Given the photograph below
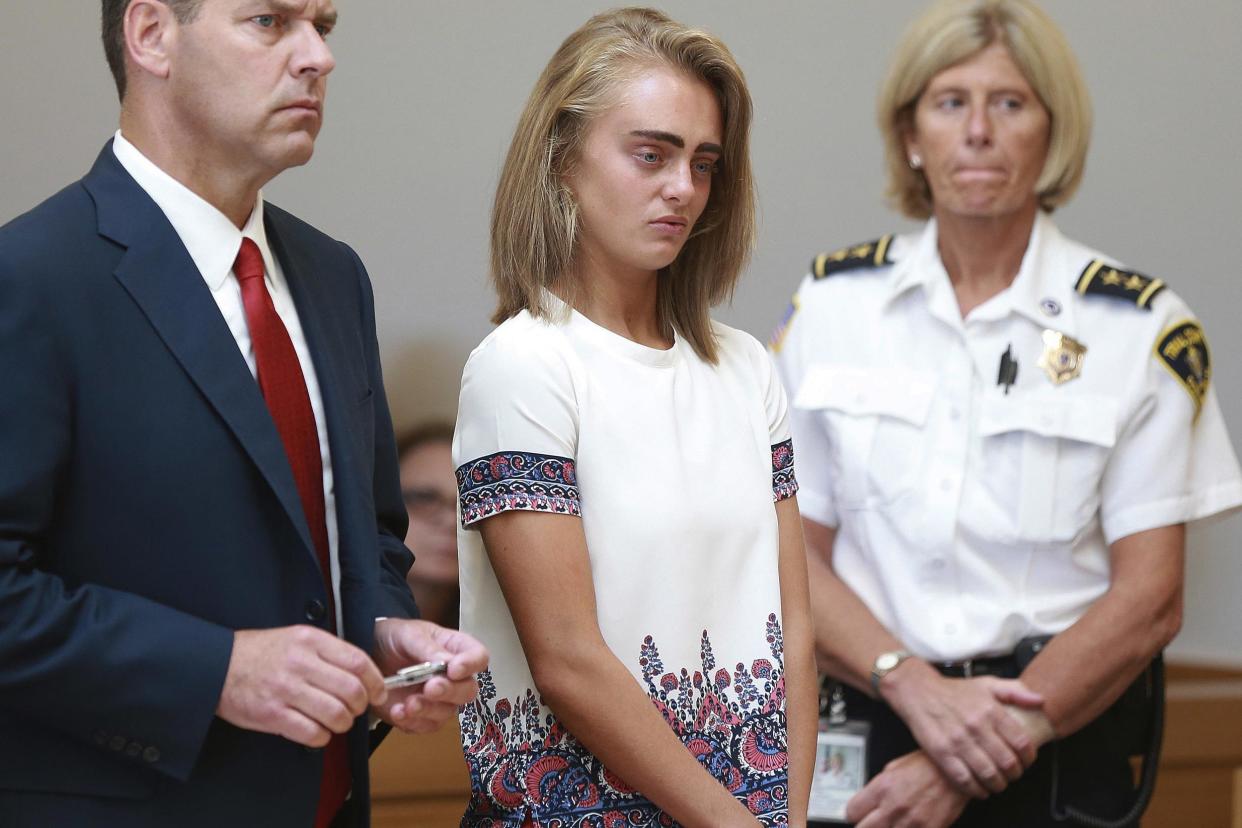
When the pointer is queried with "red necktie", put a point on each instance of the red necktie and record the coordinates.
(284, 390)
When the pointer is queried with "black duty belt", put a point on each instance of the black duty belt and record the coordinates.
(1004, 666)
(1000, 666)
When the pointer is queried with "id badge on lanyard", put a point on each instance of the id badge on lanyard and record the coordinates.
(840, 762)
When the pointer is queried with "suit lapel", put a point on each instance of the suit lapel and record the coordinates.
(326, 336)
(163, 281)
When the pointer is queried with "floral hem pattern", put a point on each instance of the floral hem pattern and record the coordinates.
(509, 480)
(523, 762)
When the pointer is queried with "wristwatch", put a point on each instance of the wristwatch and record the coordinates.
(886, 663)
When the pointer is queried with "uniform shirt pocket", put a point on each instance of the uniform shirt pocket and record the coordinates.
(874, 419)
(1049, 453)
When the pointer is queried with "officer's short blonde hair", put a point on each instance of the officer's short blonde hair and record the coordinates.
(951, 31)
(535, 219)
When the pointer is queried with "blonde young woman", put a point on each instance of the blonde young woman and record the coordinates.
(630, 544)
(1002, 433)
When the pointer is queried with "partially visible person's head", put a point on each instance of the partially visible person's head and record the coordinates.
(952, 32)
(234, 80)
(429, 487)
(835, 761)
(538, 221)
(113, 31)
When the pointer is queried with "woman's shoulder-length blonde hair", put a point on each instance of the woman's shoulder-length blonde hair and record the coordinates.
(952, 31)
(535, 218)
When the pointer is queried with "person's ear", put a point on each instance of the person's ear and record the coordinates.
(150, 35)
(913, 156)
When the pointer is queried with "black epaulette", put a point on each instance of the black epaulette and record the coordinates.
(868, 255)
(1101, 279)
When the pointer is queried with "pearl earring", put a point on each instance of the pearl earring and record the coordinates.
(916, 162)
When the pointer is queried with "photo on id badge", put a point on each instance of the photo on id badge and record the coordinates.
(840, 766)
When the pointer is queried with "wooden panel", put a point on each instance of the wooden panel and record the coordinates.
(1237, 798)
(428, 765)
(431, 812)
(419, 781)
(1189, 796)
(1199, 781)
(1200, 672)
(1203, 723)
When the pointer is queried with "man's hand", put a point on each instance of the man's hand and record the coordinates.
(298, 682)
(910, 793)
(423, 708)
(965, 725)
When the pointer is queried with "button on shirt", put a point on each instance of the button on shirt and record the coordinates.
(968, 518)
(212, 241)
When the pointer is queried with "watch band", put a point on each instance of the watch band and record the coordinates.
(884, 664)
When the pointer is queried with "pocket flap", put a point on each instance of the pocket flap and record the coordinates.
(1087, 418)
(861, 390)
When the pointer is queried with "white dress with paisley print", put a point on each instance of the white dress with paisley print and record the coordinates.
(673, 465)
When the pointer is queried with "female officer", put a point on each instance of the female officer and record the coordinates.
(1003, 433)
(631, 549)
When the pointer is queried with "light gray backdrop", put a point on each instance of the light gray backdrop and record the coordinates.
(426, 94)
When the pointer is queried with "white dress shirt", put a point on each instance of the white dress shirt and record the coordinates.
(967, 517)
(212, 241)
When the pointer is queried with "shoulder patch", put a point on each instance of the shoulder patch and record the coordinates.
(868, 255)
(1183, 350)
(1102, 279)
(778, 335)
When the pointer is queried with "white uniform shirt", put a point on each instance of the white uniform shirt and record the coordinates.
(968, 518)
(212, 241)
(673, 465)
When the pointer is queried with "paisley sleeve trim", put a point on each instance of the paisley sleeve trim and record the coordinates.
(517, 480)
(784, 483)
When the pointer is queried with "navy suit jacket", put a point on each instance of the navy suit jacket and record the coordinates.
(147, 510)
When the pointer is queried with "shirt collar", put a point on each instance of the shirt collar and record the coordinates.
(920, 267)
(1040, 292)
(209, 237)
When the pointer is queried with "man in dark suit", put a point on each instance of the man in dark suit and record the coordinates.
(202, 580)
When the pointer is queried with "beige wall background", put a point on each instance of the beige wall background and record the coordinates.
(426, 94)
